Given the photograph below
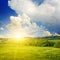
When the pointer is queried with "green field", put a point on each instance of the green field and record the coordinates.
(30, 49)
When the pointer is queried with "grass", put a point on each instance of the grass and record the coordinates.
(10, 49)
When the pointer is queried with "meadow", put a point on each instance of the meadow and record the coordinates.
(30, 48)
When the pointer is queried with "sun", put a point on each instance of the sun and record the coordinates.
(18, 36)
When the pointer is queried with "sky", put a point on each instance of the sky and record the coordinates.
(29, 18)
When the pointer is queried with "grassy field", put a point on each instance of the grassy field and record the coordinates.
(30, 49)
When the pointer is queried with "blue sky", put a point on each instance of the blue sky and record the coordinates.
(38, 2)
(43, 14)
(5, 11)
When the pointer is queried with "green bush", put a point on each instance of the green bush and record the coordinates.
(41, 43)
(47, 43)
(57, 44)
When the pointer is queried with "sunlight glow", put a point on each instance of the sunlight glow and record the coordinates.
(18, 36)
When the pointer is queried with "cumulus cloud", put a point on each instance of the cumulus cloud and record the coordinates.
(1, 28)
(22, 25)
(56, 34)
(48, 13)
(23, 6)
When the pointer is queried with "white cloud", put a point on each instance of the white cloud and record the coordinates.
(47, 13)
(56, 34)
(1, 28)
(22, 6)
(22, 25)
